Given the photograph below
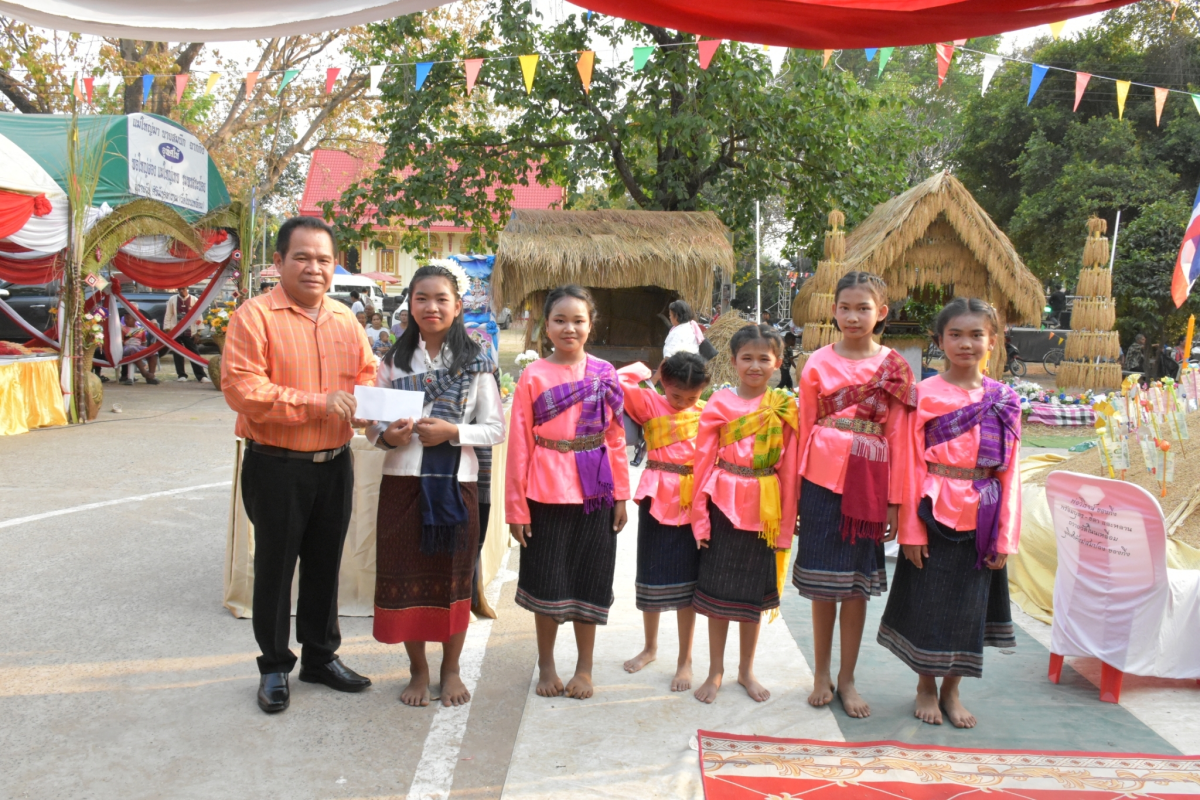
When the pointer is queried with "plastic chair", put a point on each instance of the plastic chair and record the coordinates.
(1114, 597)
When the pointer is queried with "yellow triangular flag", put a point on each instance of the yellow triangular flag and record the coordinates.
(528, 67)
(1056, 29)
(1122, 93)
(212, 81)
(825, 63)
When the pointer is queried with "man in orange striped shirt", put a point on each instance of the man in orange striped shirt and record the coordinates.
(292, 359)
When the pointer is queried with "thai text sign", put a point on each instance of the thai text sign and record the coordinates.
(167, 164)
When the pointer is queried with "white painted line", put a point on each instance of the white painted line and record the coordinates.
(435, 771)
(8, 523)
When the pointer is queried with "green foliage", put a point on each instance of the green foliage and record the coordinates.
(668, 137)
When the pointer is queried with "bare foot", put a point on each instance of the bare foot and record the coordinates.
(683, 678)
(549, 684)
(416, 694)
(580, 686)
(454, 691)
(708, 690)
(852, 701)
(956, 711)
(822, 693)
(639, 661)
(926, 708)
(758, 693)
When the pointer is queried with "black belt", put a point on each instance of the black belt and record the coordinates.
(317, 456)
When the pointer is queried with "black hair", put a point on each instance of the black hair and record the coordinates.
(756, 333)
(872, 283)
(354, 294)
(789, 336)
(284, 238)
(463, 348)
(965, 305)
(682, 311)
(572, 290)
(685, 370)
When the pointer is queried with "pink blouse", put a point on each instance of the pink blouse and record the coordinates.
(662, 488)
(737, 496)
(825, 451)
(955, 501)
(544, 475)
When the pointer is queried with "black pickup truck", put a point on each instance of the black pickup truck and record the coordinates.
(34, 304)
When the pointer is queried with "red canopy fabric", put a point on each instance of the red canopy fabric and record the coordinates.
(165, 275)
(16, 209)
(841, 24)
(21, 267)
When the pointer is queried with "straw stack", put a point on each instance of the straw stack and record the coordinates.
(1091, 355)
(819, 330)
(720, 369)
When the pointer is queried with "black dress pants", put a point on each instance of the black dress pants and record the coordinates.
(299, 510)
(188, 341)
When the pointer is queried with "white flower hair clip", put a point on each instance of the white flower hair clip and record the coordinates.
(455, 269)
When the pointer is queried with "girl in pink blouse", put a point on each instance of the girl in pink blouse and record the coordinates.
(668, 560)
(566, 486)
(744, 510)
(960, 518)
(854, 400)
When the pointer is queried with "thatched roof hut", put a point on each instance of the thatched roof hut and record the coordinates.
(635, 263)
(936, 234)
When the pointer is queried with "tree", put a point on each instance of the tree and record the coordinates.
(669, 137)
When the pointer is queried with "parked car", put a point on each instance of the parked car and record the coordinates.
(35, 303)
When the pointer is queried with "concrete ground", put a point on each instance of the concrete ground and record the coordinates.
(121, 675)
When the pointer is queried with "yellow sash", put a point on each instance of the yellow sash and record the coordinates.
(670, 429)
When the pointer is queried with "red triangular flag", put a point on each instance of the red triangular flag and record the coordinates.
(472, 66)
(331, 76)
(945, 52)
(251, 79)
(1160, 99)
(90, 83)
(181, 82)
(707, 48)
(1081, 82)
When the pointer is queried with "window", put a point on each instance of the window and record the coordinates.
(387, 261)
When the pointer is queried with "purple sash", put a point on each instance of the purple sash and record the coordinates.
(598, 389)
(999, 416)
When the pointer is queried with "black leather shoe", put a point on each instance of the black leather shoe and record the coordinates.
(335, 675)
(273, 695)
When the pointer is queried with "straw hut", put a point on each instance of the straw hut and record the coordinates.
(634, 262)
(935, 234)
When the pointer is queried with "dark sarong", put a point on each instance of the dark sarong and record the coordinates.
(567, 569)
(668, 563)
(828, 566)
(939, 618)
(737, 578)
(419, 597)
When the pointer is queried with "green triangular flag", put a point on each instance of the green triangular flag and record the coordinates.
(288, 77)
(884, 54)
(640, 56)
(1196, 100)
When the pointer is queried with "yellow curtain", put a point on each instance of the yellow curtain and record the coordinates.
(30, 396)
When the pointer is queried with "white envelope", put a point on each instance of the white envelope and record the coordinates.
(387, 405)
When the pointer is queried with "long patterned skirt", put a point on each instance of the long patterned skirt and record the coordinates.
(939, 618)
(827, 566)
(668, 563)
(737, 578)
(418, 597)
(568, 566)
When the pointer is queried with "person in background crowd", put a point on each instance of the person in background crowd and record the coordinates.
(136, 338)
(789, 362)
(292, 359)
(361, 316)
(356, 304)
(1058, 303)
(178, 307)
(685, 335)
(1135, 356)
(401, 320)
(380, 339)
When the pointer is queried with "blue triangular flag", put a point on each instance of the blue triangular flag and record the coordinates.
(1035, 80)
(871, 53)
(589, 16)
(423, 68)
(147, 85)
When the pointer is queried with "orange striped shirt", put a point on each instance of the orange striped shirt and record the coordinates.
(279, 365)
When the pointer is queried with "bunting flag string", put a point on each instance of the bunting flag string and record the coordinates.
(871, 51)
(423, 73)
(640, 56)
(1056, 29)
(1160, 100)
(707, 48)
(331, 76)
(116, 80)
(885, 55)
(181, 82)
(212, 83)
(1122, 93)
(251, 79)
(89, 85)
(528, 69)
(945, 52)
(147, 85)
(288, 77)
(376, 73)
(991, 63)
(825, 61)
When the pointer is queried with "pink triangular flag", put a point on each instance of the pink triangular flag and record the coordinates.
(959, 42)
(1160, 99)
(472, 66)
(707, 48)
(331, 76)
(181, 82)
(945, 52)
(89, 85)
(251, 79)
(1081, 82)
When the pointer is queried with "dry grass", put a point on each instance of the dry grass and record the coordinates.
(720, 369)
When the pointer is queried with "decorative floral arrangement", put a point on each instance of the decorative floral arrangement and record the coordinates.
(526, 358)
(1030, 393)
(93, 330)
(217, 316)
(455, 269)
(507, 386)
